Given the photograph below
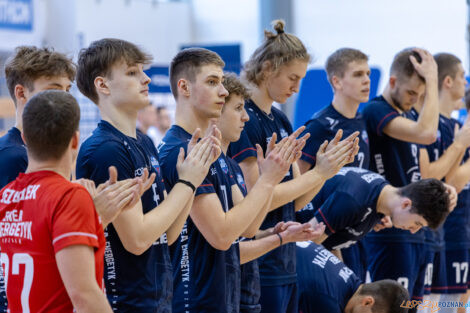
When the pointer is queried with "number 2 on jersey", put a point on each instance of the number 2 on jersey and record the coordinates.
(27, 261)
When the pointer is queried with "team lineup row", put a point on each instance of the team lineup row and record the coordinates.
(207, 222)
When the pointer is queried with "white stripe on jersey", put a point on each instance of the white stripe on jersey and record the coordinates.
(76, 233)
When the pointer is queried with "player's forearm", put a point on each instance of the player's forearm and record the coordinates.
(264, 233)
(302, 201)
(256, 224)
(442, 166)
(239, 217)
(295, 188)
(461, 177)
(90, 301)
(138, 234)
(454, 169)
(250, 250)
(428, 119)
(250, 171)
(175, 229)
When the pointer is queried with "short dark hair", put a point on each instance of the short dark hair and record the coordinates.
(29, 63)
(50, 119)
(98, 59)
(429, 199)
(402, 66)
(337, 63)
(388, 295)
(234, 86)
(447, 65)
(187, 64)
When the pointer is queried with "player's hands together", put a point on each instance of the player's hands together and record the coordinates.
(113, 196)
(299, 142)
(294, 232)
(385, 222)
(279, 157)
(201, 155)
(278, 160)
(331, 157)
(428, 66)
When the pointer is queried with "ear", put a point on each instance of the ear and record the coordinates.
(20, 94)
(75, 140)
(267, 68)
(406, 203)
(392, 81)
(367, 301)
(183, 87)
(335, 81)
(101, 85)
(448, 82)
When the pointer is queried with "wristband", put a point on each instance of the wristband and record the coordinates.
(280, 239)
(187, 183)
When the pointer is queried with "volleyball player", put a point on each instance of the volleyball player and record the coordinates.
(274, 70)
(348, 73)
(394, 137)
(138, 274)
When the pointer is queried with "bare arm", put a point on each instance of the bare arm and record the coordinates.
(137, 231)
(253, 228)
(175, 229)
(76, 266)
(461, 176)
(442, 166)
(330, 159)
(448, 164)
(222, 228)
(250, 250)
(424, 130)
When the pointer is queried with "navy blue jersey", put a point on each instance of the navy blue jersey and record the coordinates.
(396, 160)
(457, 224)
(278, 266)
(13, 157)
(250, 281)
(325, 283)
(445, 137)
(347, 205)
(324, 125)
(201, 279)
(134, 283)
(13, 161)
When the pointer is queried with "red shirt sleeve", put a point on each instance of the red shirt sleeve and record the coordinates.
(75, 221)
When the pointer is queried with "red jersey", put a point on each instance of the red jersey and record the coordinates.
(42, 213)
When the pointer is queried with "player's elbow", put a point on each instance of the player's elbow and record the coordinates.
(249, 233)
(82, 298)
(428, 137)
(136, 247)
(220, 243)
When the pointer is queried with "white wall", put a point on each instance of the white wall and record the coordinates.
(60, 26)
(381, 28)
(159, 28)
(227, 21)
